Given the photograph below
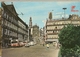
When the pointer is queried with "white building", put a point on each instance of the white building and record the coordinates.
(53, 27)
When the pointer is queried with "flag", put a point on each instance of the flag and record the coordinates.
(73, 9)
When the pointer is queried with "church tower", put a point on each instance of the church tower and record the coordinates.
(30, 29)
(30, 22)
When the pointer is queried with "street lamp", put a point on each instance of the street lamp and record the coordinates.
(64, 12)
(28, 34)
(52, 13)
(64, 15)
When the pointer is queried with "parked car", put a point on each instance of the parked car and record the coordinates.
(24, 43)
(21, 43)
(31, 43)
(35, 43)
(15, 44)
(27, 45)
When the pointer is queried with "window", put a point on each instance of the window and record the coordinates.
(75, 17)
(53, 31)
(55, 27)
(7, 16)
(4, 15)
(5, 31)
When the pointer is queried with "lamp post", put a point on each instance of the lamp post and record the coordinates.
(28, 34)
(52, 13)
(64, 12)
(64, 15)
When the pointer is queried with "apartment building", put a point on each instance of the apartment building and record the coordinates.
(53, 26)
(13, 28)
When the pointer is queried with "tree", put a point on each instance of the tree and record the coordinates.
(69, 38)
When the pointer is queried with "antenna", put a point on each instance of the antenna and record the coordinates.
(21, 13)
(18, 9)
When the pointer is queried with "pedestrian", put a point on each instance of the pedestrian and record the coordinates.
(47, 45)
(43, 44)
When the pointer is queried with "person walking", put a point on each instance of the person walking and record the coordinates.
(47, 45)
(43, 44)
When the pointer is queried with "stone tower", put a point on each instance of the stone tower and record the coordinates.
(30, 29)
(30, 22)
(50, 16)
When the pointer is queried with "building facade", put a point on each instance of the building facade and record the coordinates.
(53, 27)
(35, 34)
(41, 37)
(0, 26)
(13, 28)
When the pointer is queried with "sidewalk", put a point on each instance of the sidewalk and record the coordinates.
(0, 52)
(55, 53)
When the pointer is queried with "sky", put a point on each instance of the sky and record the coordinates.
(39, 11)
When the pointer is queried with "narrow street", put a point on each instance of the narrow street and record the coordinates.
(33, 51)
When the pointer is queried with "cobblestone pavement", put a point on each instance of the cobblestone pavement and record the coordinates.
(33, 51)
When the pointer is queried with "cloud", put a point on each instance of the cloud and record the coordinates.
(29, 7)
(64, 3)
(57, 17)
(60, 16)
(59, 13)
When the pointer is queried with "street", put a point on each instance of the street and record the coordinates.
(32, 51)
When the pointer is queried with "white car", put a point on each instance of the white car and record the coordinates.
(15, 44)
(21, 43)
(31, 43)
(27, 45)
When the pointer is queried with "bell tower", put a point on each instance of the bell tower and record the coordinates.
(30, 22)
